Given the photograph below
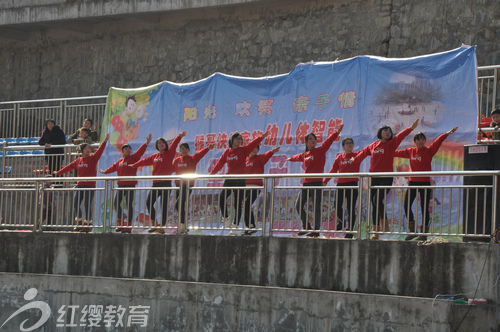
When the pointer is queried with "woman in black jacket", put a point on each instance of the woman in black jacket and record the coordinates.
(52, 135)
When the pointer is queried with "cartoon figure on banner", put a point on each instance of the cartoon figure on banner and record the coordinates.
(128, 114)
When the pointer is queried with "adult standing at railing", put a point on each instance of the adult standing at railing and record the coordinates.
(87, 123)
(344, 163)
(382, 160)
(52, 135)
(254, 165)
(420, 161)
(86, 166)
(121, 167)
(162, 165)
(314, 159)
(235, 157)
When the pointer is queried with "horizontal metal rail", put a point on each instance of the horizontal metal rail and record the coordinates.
(462, 210)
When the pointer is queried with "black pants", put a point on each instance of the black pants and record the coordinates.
(53, 162)
(425, 199)
(128, 196)
(250, 197)
(377, 201)
(317, 196)
(238, 196)
(153, 197)
(181, 204)
(351, 197)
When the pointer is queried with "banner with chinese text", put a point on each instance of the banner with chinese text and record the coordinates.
(363, 93)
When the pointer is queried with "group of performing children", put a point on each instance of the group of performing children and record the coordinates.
(244, 159)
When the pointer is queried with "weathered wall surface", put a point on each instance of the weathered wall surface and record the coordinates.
(377, 267)
(184, 306)
(85, 56)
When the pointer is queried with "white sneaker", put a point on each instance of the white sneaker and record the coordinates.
(233, 232)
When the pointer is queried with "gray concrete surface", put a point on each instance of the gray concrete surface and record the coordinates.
(185, 306)
(62, 48)
(359, 266)
(40, 11)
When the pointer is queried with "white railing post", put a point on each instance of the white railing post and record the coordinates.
(105, 225)
(3, 160)
(264, 206)
(360, 208)
(271, 214)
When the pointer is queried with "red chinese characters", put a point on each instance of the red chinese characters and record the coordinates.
(301, 132)
(286, 138)
(272, 139)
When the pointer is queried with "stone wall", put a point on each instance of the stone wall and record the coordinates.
(186, 306)
(87, 56)
(360, 266)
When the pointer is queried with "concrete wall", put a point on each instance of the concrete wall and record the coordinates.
(184, 306)
(360, 266)
(44, 57)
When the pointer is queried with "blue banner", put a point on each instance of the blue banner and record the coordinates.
(363, 93)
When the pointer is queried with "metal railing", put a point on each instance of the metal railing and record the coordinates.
(26, 118)
(30, 161)
(468, 210)
(488, 89)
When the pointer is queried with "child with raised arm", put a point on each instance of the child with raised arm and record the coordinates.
(254, 165)
(86, 166)
(344, 163)
(420, 161)
(162, 165)
(186, 164)
(235, 157)
(314, 159)
(121, 167)
(382, 152)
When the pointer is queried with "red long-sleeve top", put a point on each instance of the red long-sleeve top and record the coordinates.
(86, 167)
(187, 164)
(420, 159)
(344, 163)
(255, 165)
(162, 162)
(236, 158)
(121, 167)
(382, 153)
(314, 160)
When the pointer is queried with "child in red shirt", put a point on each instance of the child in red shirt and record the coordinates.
(314, 161)
(86, 166)
(186, 164)
(382, 152)
(121, 167)
(344, 163)
(254, 165)
(235, 157)
(420, 161)
(162, 165)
